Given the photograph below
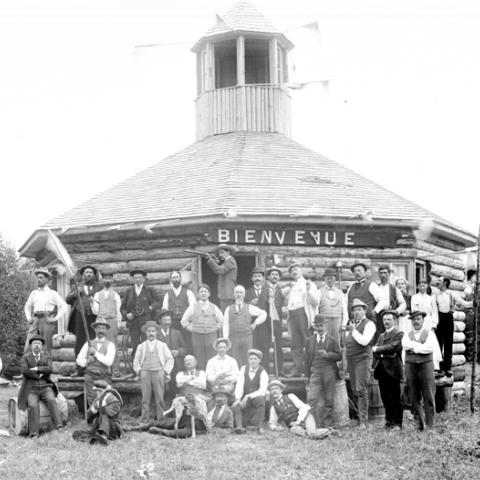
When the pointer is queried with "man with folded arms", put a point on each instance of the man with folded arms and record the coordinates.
(222, 369)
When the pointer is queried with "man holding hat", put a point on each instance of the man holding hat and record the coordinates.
(36, 367)
(249, 405)
(86, 291)
(97, 357)
(359, 338)
(222, 370)
(289, 411)
(303, 300)
(419, 346)
(322, 352)
(153, 362)
(388, 368)
(226, 269)
(106, 304)
(43, 309)
(138, 306)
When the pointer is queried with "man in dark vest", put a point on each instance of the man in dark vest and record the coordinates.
(322, 352)
(177, 300)
(419, 346)
(250, 390)
(37, 385)
(137, 307)
(359, 338)
(258, 295)
(85, 294)
(388, 368)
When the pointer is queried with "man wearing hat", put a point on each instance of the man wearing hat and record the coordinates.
(258, 295)
(322, 352)
(303, 300)
(359, 338)
(220, 416)
(106, 304)
(290, 412)
(249, 405)
(138, 307)
(222, 369)
(419, 347)
(86, 291)
(226, 269)
(44, 308)
(36, 367)
(153, 362)
(96, 357)
(388, 368)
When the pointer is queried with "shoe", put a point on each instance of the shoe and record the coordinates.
(239, 430)
(101, 438)
(155, 430)
(33, 435)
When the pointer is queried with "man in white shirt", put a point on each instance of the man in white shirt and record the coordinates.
(222, 369)
(238, 325)
(44, 308)
(303, 300)
(250, 391)
(106, 304)
(390, 295)
(97, 358)
(422, 302)
(419, 347)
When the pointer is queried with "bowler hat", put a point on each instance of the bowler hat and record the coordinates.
(273, 269)
(100, 321)
(276, 383)
(222, 390)
(292, 266)
(390, 311)
(150, 323)
(36, 337)
(329, 272)
(101, 384)
(258, 270)
(226, 246)
(139, 271)
(222, 340)
(416, 313)
(356, 264)
(358, 303)
(317, 319)
(254, 351)
(43, 271)
(163, 313)
(95, 271)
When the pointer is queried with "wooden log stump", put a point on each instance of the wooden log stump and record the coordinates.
(443, 398)
(459, 316)
(458, 348)
(63, 355)
(458, 337)
(458, 360)
(68, 340)
(64, 368)
(458, 374)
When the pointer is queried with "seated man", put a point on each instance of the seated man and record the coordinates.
(190, 380)
(249, 405)
(102, 415)
(222, 370)
(37, 385)
(289, 411)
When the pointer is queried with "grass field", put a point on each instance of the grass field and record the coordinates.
(369, 454)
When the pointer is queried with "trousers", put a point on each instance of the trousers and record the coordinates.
(299, 328)
(48, 397)
(240, 347)
(321, 394)
(252, 414)
(391, 397)
(152, 383)
(359, 373)
(203, 347)
(421, 383)
(444, 334)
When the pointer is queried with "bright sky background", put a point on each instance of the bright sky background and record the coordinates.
(81, 108)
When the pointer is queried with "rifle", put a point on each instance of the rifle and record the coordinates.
(201, 254)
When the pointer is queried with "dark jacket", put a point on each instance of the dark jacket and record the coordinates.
(227, 276)
(174, 341)
(147, 297)
(263, 300)
(389, 354)
(75, 319)
(332, 347)
(31, 376)
(225, 420)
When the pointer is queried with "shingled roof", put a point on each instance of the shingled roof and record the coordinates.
(242, 174)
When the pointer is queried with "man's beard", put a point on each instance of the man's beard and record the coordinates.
(176, 283)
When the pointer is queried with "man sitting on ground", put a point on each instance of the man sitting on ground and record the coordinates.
(222, 370)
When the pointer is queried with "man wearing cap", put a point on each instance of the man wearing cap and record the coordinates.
(238, 325)
(322, 352)
(153, 362)
(250, 390)
(333, 306)
(43, 309)
(222, 369)
(97, 357)
(36, 367)
(174, 340)
(203, 320)
(106, 304)
(86, 291)
(359, 338)
(290, 412)
(388, 368)
(226, 270)
(419, 346)
(138, 307)
(303, 300)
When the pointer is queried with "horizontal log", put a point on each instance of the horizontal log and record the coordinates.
(459, 316)
(447, 272)
(160, 290)
(444, 381)
(459, 326)
(458, 360)
(72, 385)
(445, 260)
(454, 284)
(123, 255)
(63, 355)
(153, 278)
(458, 373)
(459, 386)
(458, 337)
(431, 248)
(458, 348)
(165, 265)
(64, 368)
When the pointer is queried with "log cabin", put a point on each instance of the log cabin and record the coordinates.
(245, 181)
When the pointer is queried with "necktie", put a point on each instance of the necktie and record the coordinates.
(216, 414)
(37, 358)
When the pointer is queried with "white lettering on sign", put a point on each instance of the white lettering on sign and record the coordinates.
(330, 241)
(299, 240)
(249, 236)
(266, 237)
(280, 238)
(316, 237)
(223, 236)
(348, 238)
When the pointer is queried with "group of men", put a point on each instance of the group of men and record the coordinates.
(181, 349)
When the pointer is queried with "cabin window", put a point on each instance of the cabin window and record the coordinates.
(256, 61)
(226, 64)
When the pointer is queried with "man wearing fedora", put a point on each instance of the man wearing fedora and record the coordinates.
(250, 390)
(86, 291)
(226, 270)
(138, 307)
(96, 357)
(153, 362)
(303, 300)
(222, 369)
(36, 367)
(44, 308)
(359, 339)
(288, 411)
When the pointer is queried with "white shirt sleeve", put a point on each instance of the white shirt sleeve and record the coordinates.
(434, 312)
(118, 305)
(382, 304)
(29, 307)
(61, 306)
(368, 333)
(96, 303)
(165, 301)
(219, 317)
(82, 355)
(257, 312)
(109, 357)
(187, 317)
(262, 391)
(240, 384)
(226, 323)
(402, 304)
(191, 297)
(345, 310)
(417, 347)
(273, 420)
(303, 408)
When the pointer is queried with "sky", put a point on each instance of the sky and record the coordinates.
(82, 107)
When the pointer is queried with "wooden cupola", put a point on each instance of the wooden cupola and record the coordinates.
(242, 68)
